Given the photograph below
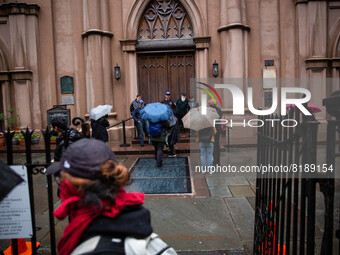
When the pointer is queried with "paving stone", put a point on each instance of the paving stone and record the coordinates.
(227, 181)
(194, 224)
(220, 192)
(243, 217)
(251, 201)
(242, 191)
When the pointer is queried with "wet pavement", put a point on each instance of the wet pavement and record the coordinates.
(217, 217)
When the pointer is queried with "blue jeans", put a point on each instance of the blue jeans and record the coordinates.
(207, 150)
(143, 125)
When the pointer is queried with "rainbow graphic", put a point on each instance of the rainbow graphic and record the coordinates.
(209, 93)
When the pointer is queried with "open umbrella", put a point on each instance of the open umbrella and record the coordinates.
(156, 112)
(196, 121)
(100, 111)
(8, 180)
(312, 107)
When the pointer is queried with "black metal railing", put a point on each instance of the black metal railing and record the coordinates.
(32, 170)
(38, 168)
(124, 144)
(285, 204)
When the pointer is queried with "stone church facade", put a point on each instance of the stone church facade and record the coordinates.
(66, 51)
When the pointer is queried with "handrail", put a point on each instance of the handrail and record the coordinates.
(124, 144)
(120, 122)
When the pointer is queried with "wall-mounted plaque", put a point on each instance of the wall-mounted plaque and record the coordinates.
(269, 78)
(65, 100)
(66, 83)
(58, 112)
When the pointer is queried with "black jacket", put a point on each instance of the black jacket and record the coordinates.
(132, 221)
(182, 107)
(171, 104)
(99, 129)
(73, 135)
(136, 115)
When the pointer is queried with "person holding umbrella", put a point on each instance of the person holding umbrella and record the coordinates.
(157, 114)
(203, 124)
(141, 123)
(99, 122)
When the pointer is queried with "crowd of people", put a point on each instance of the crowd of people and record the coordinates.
(208, 138)
(103, 218)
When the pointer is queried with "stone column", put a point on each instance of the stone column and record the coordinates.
(24, 67)
(234, 43)
(312, 48)
(97, 51)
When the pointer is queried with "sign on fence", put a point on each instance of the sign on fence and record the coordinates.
(15, 212)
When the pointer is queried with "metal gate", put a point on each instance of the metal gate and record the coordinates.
(36, 169)
(286, 187)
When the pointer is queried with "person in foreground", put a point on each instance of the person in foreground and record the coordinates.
(102, 216)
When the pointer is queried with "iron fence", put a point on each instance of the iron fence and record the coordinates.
(286, 199)
(35, 169)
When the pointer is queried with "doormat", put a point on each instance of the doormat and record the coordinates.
(172, 177)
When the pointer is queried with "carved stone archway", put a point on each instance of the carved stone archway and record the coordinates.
(130, 32)
(138, 8)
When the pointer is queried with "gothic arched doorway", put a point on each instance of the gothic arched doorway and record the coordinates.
(166, 59)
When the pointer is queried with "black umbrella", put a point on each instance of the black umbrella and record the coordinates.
(8, 179)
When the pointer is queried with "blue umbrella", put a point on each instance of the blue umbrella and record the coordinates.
(156, 112)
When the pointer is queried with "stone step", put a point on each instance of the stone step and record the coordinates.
(185, 138)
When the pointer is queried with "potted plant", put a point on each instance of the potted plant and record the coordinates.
(20, 137)
(53, 139)
(35, 138)
(2, 139)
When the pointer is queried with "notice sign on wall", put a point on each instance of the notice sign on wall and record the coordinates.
(15, 212)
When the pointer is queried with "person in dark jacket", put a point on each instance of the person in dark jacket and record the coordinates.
(65, 136)
(141, 123)
(133, 106)
(159, 141)
(172, 135)
(182, 109)
(169, 102)
(93, 197)
(99, 130)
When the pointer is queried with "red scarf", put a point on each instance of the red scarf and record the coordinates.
(81, 217)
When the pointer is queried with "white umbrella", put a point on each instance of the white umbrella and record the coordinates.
(195, 120)
(100, 111)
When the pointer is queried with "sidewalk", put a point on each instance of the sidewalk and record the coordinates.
(217, 218)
